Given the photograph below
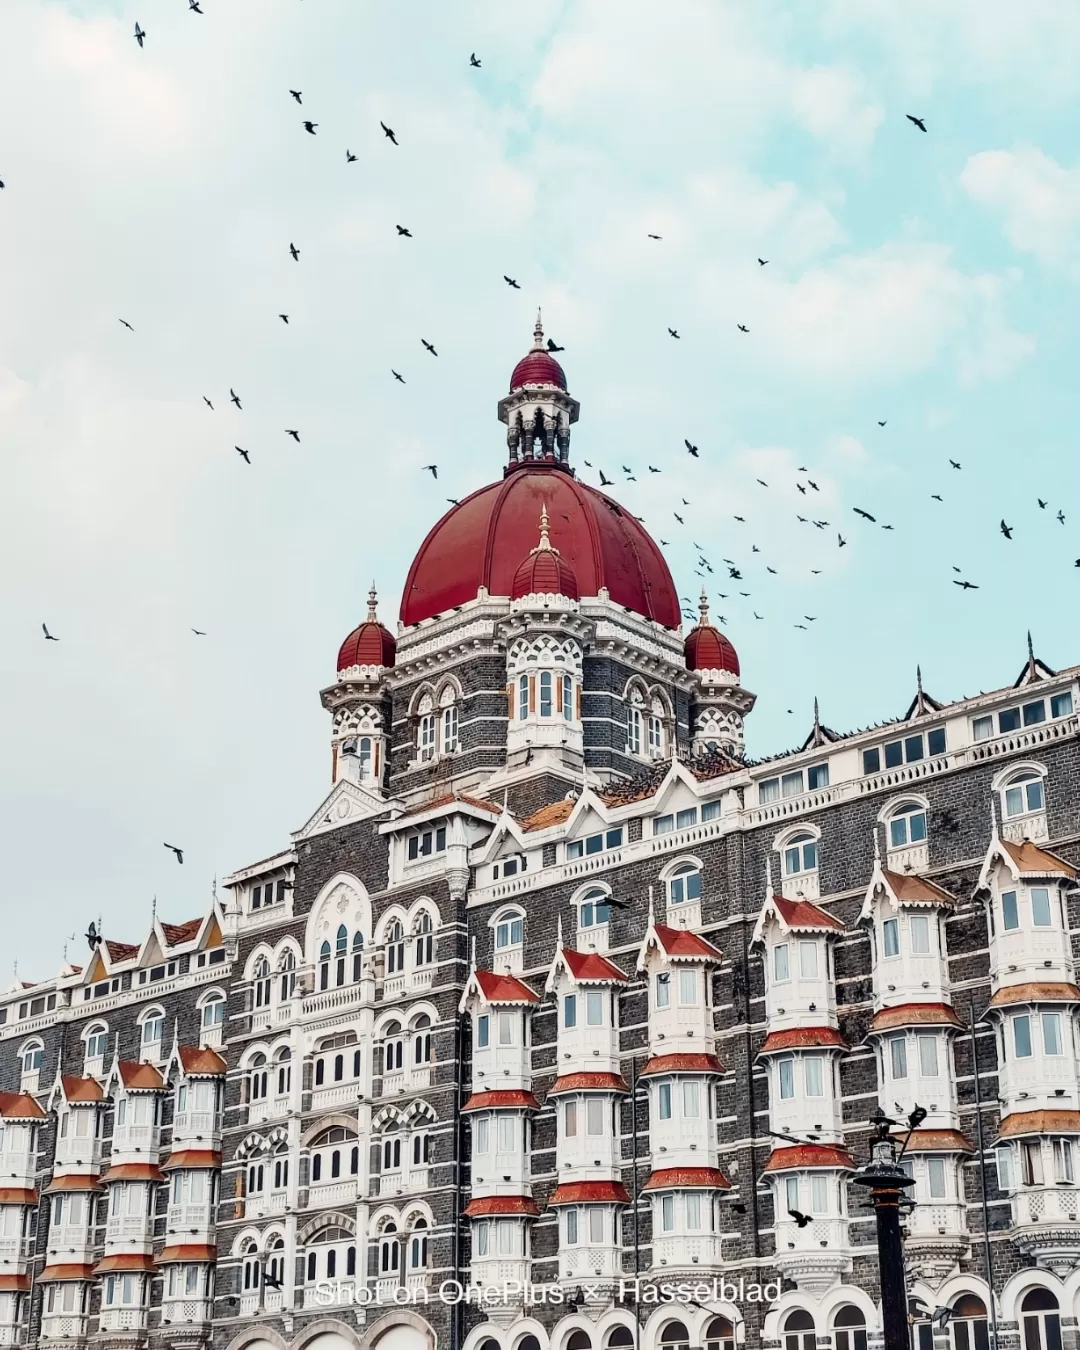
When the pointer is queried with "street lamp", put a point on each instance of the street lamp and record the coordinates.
(886, 1180)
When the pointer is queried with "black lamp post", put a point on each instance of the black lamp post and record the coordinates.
(886, 1180)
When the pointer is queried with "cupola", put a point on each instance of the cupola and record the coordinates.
(706, 647)
(544, 572)
(369, 645)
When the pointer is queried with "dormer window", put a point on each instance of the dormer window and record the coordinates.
(509, 930)
(1026, 715)
(424, 843)
(907, 825)
(684, 884)
(909, 750)
(800, 855)
(1022, 794)
(595, 843)
(595, 909)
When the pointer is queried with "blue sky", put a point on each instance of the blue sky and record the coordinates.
(929, 281)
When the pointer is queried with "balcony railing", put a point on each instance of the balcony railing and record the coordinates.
(185, 1218)
(12, 1334)
(195, 1127)
(64, 1326)
(186, 1311)
(122, 1319)
(131, 1227)
(338, 1094)
(689, 1252)
(136, 1138)
(14, 1249)
(80, 1150)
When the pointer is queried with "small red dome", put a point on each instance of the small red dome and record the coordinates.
(537, 367)
(543, 572)
(707, 648)
(369, 645)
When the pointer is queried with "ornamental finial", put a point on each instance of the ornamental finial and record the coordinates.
(703, 609)
(545, 542)
(538, 334)
(372, 596)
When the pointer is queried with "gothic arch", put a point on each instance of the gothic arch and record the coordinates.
(325, 1123)
(391, 1321)
(319, 1224)
(326, 1326)
(258, 1332)
(343, 900)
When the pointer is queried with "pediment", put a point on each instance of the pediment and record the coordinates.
(345, 804)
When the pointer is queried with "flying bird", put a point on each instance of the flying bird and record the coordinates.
(234, 399)
(350, 158)
(296, 95)
(801, 1219)
(673, 332)
(284, 318)
(740, 519)
(474, 61)
(803, 627)
(652, 470)
(432, 469)
(742, 328)
(881, 424)
(48, 636)
(198, 632)
(294, 434)
(294, 251)
(193, 5)
(813, 485)
(243, 454)
(388, 133)
(691, 449)
(1006, 530)
(178, 851)
(396, 376)
(917, 120)
(954, 463)
(429, 347)
(309, 127)
(604, 480)
(965, 585)
(801, 488)
(865, 514)
(1042, 504)
(127, 325)
(554, 347)
(763, 482)
(935, 498)
(1061, 517)
(405, 233)
(208, 403)
(841, 541)
(511, 282)
(678, 517)
(140, 33)
(771, 569)
(762, 261)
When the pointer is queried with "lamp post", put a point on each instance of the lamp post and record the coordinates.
(886, 1180)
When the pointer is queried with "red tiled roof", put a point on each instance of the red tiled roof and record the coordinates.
(588, 1082)
(501, 1204)
(136, 1076)
(910, 888)
(124, 1261)
(178, 933)
(14, 1284)
(687, 1178)
(191, 1157)
(73, 1181)
(597, 1192)
(935, 1141)
(1035, 992)
(802, 1038)
(681, 942)
(507, 1097)
(56, 1274)
(446, 799)
(1039, 1122)
(198, 1062)
(140, 1171)
(915, 1015)
(1034, 861)
(552, 814)
(696, 1063)
(82, 1089)
(19, 1106)
(17, 1195)
(504, 988)
(803, 914)
(120, 951)
(591, 967)
(809, 1155)
(194, 1251)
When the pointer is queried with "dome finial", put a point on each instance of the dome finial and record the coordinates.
(703, 609)
(545, 542)
(538, 334)
(372, 596)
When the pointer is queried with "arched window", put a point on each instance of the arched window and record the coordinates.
(391, 1150)
(350, 1261)
(425, 942)
(509, 929)
(281, 1167)
(800, 854)
(720, 1335)
(907, 825)
(257, 1078)
(324, 966)
(1041, 1321)
(395, 948)
(153, 1032)
(656, 730)
(364, 757)
(275, 1267)
(357, 956)
(252, 1268)
(523, 697)
(30, 1060)
(547, 696)
(595, 908)
(341, 949)
(389, 1250)
(635, 733)
(618, 1337)
(261, 983)
(567, 698)
(1022, 794)
(287, 970)
(422, 1040)
(97, 1046)
(426, 731)
(255, 1178)
(850, 1328)
(421, 1149)
(449, 722)
(968, 1325)
(283, 1067)
(675, 1337)
(799, 1331)
(418, 1249)
(393, 1048)
(684, 884)
(579, 1340)
(213, 1014)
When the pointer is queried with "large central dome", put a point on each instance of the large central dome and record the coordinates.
(485, 538)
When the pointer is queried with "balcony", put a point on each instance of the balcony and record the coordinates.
(334, 1000)
(339, 1094)
(249, 1304)
(18, 1168)
(1037, 1080)
(82, 1151)
(64, 1326)
(689, 1254)
(273, 1300)
(419, 1179)
(813, 1256)
(186, 1311)
(132, 1320)
(260, 1019)
(803, 885)
(12, 1335)
(936, 1240)
(126, 1229)
(590, 1262)
(499, 1270)
(140, 1139)
(190, 1218)
(327, 1195)
(389, 1183)
(496, 1173)
(69, 1243)
(1020, 955)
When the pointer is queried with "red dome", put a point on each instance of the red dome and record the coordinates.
(481, 542)
(537, 368)
(369, 645)
(708, 649)
(543, 572)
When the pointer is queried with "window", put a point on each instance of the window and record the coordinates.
(898, 1056)
(1023, 794)
(395, 948)
(812, 1075)
(567, 698)
(688, 987)
(982, 728)
(426, 842)
(1041, 1321)
(786, 1069)
(594, 1007)
(781, 964)
(509, 929)
(656, 735)
(667, 1213)
(283, 1060)
(570, 1010)
(819, 1193)
(1040, 907)
(799, 1330)
(483, 1031)
(850, 1328)
(1010, 912)
(153, 1030)
(287, 969)
(663, 990)
(787, 785)
(389, 1250)
(890, 937)
(97, 1042)
(595, 843)
(1004, 1168)
(422, 1040)
(800, 855)
(684, 884)
(595, 909)
(969, 1325)
(257, 1078)
(427, 736)
(1061, 705)
(523, 697)
(664, 1101)
(1031, 1162)
(1051, 1033)
(570, 1118)
(909, 750)
(808, 960)
(719, 1335)
(418, 1246)
(546, 697)
(1064, 1161)
(936, 1178)
(907, 825)
(507, 1027)
(634, 730)
(1022, 1036)
(691, 1098)
(928, 1056)
(595, 1121)
(449, 726)
(364, 757)
(919, 933)
(424, 952)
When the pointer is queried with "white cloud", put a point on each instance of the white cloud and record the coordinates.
(1036, 199)
(832, 104)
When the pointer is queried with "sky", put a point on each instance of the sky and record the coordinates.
(927, 281)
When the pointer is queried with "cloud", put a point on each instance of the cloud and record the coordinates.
(831, 104)
(1035, 198)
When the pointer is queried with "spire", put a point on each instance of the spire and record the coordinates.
(545, 542)
(993, 819)
(877, 845)
(1032, 671)
(703, 609)
(652, 908)
(472, 956)
(372, 596)
(538, 334)
(816, 736)
(558, 934)
(768, 877)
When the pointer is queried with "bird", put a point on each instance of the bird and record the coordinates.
(742, 328)
(673, 332)
(140, 33)
(243, 454)
(350, 158)
(432, 469)
(810, 618)
(296, 95)
(294, 251)
(763, 482)
(820, 524)
(429, 347)
(554, 347)
(935, 498)
(309, 127)
(193, 5)
(865, 514)
(801, 1219)
(762, 262)
(127, 325)
(396, 376)
(841, 541)
(1006, 530)
(813, 485)
(294, 434)
(284, 318)
(48, 636)
(881, 424)
(474, 61)
(1060, 517)
(198, 632)
(388, 133)
(917, 120)
(454, 501)
(803, 627)
(653, 470)
(954, 463)
(178, 851)
(270, 1280)
(511, 282)
(887, 527)
(691, 449)
(757, 615)
(678, 517)
(740, 519)
(654, 236)
(965, 585)
(1042, 504)
(604, 480)
(405, 233)
(208, 403)
(801, 488)
(1, 183)
(234, 399)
